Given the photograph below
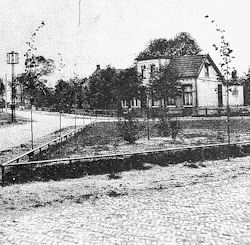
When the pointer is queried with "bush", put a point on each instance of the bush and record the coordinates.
(175, 127)
(163, 127)
(129, 128)
(168, 126)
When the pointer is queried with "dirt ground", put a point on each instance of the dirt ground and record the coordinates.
(104, 138)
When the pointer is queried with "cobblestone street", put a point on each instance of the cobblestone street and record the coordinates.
(181, 204)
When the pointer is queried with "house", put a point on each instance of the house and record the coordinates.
(198, 75)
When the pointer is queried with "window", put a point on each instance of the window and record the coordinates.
(124, 103)
(143, 71)
(235, 91)
(152, 68)
(171, 101)
(206, 69)
(187, 95)
(134, 103)
(155, 103)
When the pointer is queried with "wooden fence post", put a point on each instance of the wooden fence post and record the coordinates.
(3, 180)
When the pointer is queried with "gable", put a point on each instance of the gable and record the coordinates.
(208, 71)
(190, 66)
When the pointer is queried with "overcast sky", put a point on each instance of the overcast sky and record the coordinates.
(113, 32)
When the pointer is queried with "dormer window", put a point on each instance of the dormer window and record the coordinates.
(206, 70)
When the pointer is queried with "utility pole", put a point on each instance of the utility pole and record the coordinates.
(79, 23)
(12, 59)
(6, 89)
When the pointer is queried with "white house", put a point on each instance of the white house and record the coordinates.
(199, 78)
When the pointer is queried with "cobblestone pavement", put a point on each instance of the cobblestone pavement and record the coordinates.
(206, 204)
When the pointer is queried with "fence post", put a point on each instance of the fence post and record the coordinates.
(3, 180)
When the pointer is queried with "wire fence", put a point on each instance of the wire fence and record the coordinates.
(106, 141)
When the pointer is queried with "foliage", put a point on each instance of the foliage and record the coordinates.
(2, 87)
(108, 87)
(68, 94)
(168, 126)
(247, 88)
(128, 85)
(129, 128)
(181, 44)
(32, 82)
(164, 83)
(100, 93)
(225, 52)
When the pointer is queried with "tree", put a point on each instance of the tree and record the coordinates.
(164, 84)
(68, 94)
(225, 52)
(184, 44)
(32, 82)
(128, 86)
(181, 44)
(247, 88)
(100, 92)
(2, 89)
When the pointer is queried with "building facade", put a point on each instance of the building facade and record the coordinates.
(198, 75)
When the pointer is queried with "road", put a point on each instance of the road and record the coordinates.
(170, 205)
(44, 123)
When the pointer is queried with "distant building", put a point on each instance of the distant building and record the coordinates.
(199, 78)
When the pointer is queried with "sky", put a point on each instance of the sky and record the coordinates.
(113, 32)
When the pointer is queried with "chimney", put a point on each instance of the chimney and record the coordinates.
(98, 67)
(234, 74)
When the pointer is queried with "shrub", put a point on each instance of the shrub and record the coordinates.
(129, 128)
(163, 127)
(168, 126)
(174, 127)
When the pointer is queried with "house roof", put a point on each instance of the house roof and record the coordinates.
(153, 58)
(188, 66)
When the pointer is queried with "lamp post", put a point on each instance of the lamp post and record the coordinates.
(12, 59)
(31, 121)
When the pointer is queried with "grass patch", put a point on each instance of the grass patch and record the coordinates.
(105, 137)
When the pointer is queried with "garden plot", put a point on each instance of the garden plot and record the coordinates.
(104, 138)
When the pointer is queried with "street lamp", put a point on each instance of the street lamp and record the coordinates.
(12, 59)
(31, 121)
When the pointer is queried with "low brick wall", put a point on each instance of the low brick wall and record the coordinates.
(76, 169)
